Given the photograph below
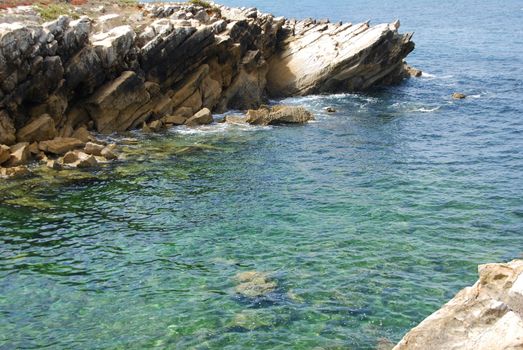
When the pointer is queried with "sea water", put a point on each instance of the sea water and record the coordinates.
(367, 220)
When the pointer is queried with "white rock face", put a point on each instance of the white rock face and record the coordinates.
(486, 316)
(325, 57)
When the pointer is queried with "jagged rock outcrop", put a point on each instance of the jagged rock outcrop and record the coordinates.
(326, 57)
(168, 62)
(486, 316)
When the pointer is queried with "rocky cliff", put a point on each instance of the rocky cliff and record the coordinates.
(486, 316)
(117, 68)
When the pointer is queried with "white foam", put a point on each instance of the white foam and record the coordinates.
(427, 110)
(427, 75)
(215, 128)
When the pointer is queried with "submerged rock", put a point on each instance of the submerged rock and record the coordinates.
(254, 284)
(486, 316)
(53, 164)
(250, 320)
(15, 172)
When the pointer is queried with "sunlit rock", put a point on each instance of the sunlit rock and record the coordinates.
(486, 316)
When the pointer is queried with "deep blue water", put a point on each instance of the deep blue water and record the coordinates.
(368, 220)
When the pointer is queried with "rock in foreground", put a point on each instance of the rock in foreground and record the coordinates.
(486, 316)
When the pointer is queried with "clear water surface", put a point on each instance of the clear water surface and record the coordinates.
(368, 220)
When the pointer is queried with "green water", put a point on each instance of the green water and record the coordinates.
(365, 228)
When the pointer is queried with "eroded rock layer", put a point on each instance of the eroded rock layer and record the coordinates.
(115, 72)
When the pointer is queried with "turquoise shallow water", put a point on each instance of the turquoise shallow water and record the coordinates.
(368, 220)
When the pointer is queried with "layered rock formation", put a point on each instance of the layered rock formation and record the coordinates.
(486, 316)
(173, 62)
(323, 57)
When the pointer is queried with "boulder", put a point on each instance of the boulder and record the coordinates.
(278, 115)
(413, 72)
(60, 145)
(175, 119)
(330, 110)
(86, 161)
(458, 96)
(82, 134)
(70, 157)
(33, 149)
(145, 128)
(5, 154)
(40, 129)
(289, 114)
(108, 153)
(20, 154)
(203, 117)
(79, 159)
(155, 125)
(93, 148)
(236, 119)
(486, 316)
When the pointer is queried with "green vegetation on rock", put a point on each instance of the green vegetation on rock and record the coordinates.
(53, 11)
(201, 3)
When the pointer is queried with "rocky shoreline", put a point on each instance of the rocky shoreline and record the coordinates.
(485, 316)
(115, 68)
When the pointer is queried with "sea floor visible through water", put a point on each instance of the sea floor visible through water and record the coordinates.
(367, 220)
